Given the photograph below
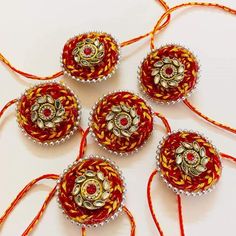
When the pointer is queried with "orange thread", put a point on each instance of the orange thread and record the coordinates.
(165, 121)
(189, 4)
(131, 41)
(181, 222)
(83, 230)
(158, 29)
(149, 197)
(83, 144)
(218, 124)
(27, 75)
(23, 192)
(7, 105)
(226, 156)
(60, 73)
(132, 221)
(40, 213)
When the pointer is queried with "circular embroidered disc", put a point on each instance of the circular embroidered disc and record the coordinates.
(121, 122)
(90, 57)
(188, 163)
(91, 192)
(48, 113)
(169, 74)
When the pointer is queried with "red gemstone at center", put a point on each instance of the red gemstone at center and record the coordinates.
(190, 157)
(124, 121)
(47, 112)
(87, 51)
(169, 71)
(91, 189)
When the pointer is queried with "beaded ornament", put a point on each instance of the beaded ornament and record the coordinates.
(48, 113)
(91, 192)
(90, 57)
(121, 122)
(189, 164)
(169, 74)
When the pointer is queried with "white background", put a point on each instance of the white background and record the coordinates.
(32, 34)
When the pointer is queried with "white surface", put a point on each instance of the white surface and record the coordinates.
(32, 35)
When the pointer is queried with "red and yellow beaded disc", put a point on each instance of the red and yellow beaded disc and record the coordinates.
(92, 191)
(48, 113)
(90, 57)
(121, 122)
(188, 163)
(169, 74)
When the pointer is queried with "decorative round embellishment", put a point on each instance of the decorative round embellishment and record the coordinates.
(90, 57)
(48, 113)
(188, 163)
(191, 158)
(121, 122)
(169, 74)
(91, 191)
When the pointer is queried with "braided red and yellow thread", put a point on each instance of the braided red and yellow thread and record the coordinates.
(83, 215)
(68, 101)
(107, 138)
(99, 71)
(173, 174)
(160, 93)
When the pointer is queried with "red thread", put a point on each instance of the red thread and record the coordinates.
(181, 222)
(220, 125)
(226, 156)
(83, 144)
(199, 4)
(27, 75)
(40, 213)
(149, 197)
(83, 230)
(7, 106)
(165, 122)
(132, 221)
(23, 192)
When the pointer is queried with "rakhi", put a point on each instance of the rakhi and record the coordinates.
(48, 113)
(121, 122)
(90, 192)
(189, 164)
(170, 73)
